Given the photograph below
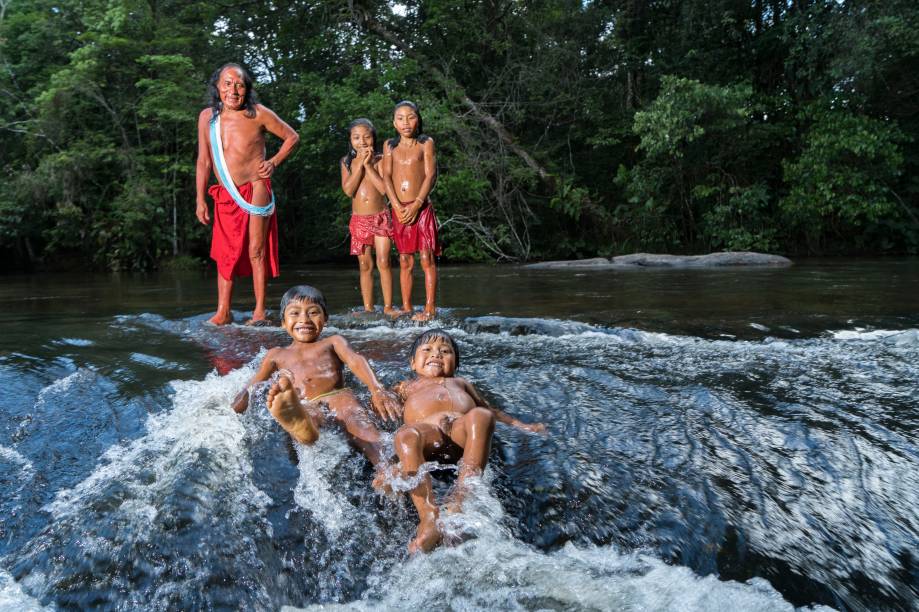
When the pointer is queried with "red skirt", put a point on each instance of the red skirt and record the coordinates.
(420, 235)
(230, 240)
(364, 228)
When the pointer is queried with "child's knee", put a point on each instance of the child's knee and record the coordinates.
(365, 264)
(407, 441)
(383, 261)
(407, 261)
(482, 417)
(427, 259)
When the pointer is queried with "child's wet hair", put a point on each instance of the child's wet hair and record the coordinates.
(304, 293)
(419, 132)
(351, 152)
(435, 334)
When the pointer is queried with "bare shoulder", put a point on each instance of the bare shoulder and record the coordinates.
(277, 355)
(471, 389)
(463, 382)
(263, 113)
(205, 115)
(336, 344)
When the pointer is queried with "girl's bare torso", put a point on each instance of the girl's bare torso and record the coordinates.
(407, 170)
(367, 199)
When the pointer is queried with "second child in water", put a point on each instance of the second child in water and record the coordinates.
(409, 172)
(447, 420)
(371, 224)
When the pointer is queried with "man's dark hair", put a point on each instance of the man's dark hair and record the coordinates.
(304, 293)
(347, 159)
(420, 136)
(435, 334)
(213, 93)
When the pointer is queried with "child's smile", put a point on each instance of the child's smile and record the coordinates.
(434, 358)
(361, 138)
(304, 321)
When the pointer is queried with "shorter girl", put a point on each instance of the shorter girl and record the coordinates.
(371, 224)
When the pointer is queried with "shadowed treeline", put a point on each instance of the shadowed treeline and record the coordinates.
(564, 128)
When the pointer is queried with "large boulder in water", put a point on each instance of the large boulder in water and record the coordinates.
(652, 260)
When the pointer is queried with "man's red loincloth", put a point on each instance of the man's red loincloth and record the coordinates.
(420, 235)
(230, 241)
(364, 228)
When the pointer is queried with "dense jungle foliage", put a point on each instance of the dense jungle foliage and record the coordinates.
(565, 128)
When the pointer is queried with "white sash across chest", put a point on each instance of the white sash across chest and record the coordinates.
(220, 165)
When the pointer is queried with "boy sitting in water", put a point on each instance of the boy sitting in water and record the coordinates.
(445, 420)
(311, 375)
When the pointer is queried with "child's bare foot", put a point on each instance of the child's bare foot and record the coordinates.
(389, 311)
(425, 315)
(381, 479)
(427, 537)
(221, 318)
(284, 405)
(453, 504)
(363, 313)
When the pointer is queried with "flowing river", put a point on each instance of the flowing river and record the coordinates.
(718, 440)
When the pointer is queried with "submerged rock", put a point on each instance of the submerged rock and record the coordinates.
(653, 260)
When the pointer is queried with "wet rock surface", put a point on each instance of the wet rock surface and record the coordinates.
(661, 260)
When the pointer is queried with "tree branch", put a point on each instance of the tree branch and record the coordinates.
(363, 20)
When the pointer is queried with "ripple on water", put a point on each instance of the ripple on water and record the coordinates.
(794, 459)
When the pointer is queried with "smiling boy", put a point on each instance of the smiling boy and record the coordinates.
(311, 375)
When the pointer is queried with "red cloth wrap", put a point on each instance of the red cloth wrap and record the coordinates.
(420, 235)
(230, 241)
(364, 228)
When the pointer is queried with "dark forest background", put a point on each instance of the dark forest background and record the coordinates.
(565, 128)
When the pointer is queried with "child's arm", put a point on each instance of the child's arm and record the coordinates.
(388, 187)
(351, 179)
(427, 185)
(376, 180)
(384, 402)
(265, 370)
(500, 415)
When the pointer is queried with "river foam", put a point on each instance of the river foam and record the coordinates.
(667, 454)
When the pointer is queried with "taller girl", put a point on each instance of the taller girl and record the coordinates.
(409, 174)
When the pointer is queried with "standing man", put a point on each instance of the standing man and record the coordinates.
(231, 142)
